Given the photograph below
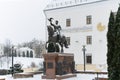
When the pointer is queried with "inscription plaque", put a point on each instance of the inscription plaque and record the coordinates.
(49, 65)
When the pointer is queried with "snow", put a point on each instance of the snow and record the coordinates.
(26, 62)
(5, 63)
(86, 77)
(79, 77)
(9, 77)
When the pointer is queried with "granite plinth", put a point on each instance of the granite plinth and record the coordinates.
(23, 75)
(58, 64)
(59, 77)
(2, 78)
(101, 78)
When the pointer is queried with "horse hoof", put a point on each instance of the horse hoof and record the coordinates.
(66, 47)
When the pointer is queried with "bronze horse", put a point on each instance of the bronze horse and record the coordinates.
(55, 40)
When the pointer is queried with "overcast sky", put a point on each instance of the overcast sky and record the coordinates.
(22, 20)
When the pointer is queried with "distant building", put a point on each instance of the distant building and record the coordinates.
(24, 52)
(84, 22)
(1, 49)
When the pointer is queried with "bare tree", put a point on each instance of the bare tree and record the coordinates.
(1, 61)
(7, 51)
(39, 48)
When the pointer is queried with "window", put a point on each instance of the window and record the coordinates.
(89, 40)
(19, 54)
(68, 22)
(88, 59)
(31, 54)
(89, 19)
(68, 40)
(23, 54)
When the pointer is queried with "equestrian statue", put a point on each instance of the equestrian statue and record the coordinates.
(56, 41)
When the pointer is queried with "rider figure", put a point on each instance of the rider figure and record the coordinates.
(57, 28)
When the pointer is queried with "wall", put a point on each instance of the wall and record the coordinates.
(100, 14)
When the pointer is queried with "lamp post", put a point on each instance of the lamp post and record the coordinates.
(84, 49)
(12, 61)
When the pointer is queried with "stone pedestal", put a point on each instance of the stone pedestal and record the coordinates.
(101, 78)
(58, 64)
(23, 75)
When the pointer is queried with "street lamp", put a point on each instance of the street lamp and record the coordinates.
(84, 49)
(12, 61)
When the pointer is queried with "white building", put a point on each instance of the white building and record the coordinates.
(84, 22)
(24, 52)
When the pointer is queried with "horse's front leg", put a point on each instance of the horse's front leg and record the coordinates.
(62, 48)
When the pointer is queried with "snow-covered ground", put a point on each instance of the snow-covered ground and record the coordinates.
(5, 63)
(9, 77)
(38, 77)
(26, 62)
(86, 77)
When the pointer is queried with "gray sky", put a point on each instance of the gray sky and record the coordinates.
(22, 20)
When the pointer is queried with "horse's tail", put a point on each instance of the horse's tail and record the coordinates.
(64, 41)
